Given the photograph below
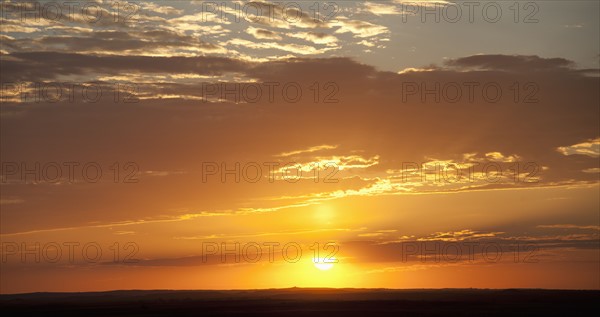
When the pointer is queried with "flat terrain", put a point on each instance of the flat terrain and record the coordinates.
(305, 302)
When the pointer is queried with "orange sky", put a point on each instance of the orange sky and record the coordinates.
(180, 141)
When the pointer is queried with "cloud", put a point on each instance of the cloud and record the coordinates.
(462, 235)
(374, 130)
(510, 63)
(499, 157)
(590, 148)
(569, 226)
(366, 43)
(290, 47)
(381, 8)
(263, 34)
(10, 201)
(423, 3)
(18, 29)
(308, 150)
(465, 246)
(155, 8)
(315, 37)
(44, 65)
(359, 28)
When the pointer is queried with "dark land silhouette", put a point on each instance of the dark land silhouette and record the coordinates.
(306, 302)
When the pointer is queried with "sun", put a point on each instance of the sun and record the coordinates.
(324, 264)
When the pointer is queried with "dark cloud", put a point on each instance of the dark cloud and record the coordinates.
(511, 63)
(263, 34)
(449, 247)
(113, 42)
(33, 66)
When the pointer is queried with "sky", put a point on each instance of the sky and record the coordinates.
(274, 144)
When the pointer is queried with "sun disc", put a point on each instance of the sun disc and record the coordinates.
(324, 264)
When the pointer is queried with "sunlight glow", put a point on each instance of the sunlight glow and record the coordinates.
(324, 264)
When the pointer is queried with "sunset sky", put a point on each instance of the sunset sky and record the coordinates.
(147, 144)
